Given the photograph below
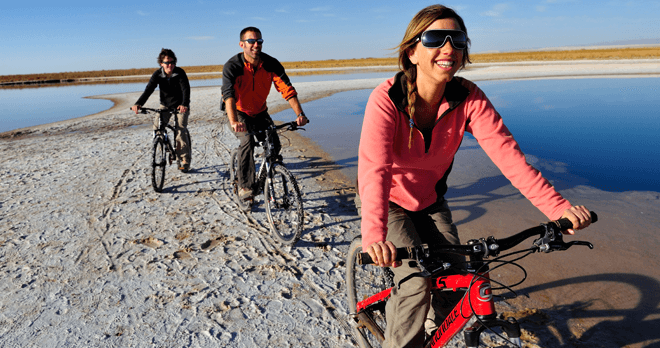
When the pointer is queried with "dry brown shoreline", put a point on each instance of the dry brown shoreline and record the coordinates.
(212, 71)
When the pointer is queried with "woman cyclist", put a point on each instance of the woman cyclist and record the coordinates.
(413, 125)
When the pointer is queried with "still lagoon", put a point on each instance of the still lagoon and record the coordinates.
(605, 132)
(28, 107)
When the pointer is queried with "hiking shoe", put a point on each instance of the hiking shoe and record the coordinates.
(184, 167)
(245, 194)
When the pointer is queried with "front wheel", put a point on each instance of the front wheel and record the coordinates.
(283, 205)
(363, 281)
(158, 163)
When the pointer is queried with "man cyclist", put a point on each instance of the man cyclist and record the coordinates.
(246, 82)
(174, 94)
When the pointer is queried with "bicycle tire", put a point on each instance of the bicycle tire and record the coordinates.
(283, 205)
(187, 135)
(158, 164)
(363, 281)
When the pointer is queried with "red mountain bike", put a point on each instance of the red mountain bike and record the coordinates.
(369, 287)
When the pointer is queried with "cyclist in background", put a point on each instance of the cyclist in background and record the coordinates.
(174, 88)
(246, 82)
(413, 125)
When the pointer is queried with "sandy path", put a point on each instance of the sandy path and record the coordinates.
(91, 256)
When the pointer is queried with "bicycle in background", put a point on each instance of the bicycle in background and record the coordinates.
(162, 151)
(282, 196)
(369, 287)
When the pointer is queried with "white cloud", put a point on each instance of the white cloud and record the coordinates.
(228, 13)
(320, 9)
(497, 10)
(142, 13)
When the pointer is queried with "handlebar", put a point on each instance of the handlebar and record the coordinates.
(550, 238)
(144, 110)
(291, 126)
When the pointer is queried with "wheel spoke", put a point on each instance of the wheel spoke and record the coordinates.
(362, 282)
(284, 205)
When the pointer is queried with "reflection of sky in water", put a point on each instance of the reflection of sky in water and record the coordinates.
(609, 127)
(34, 106)
(603, 132)
(335, 125)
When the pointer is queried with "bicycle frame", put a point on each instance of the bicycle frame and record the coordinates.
(162, 128)
(264, 168)
(474, 280)
(478, 301)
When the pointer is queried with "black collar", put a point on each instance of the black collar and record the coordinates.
(455, 92)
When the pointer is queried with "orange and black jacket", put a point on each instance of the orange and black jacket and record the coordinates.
(250, 86)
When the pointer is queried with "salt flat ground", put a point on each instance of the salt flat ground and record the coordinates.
(91, 256)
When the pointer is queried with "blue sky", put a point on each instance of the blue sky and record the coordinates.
(57, 36)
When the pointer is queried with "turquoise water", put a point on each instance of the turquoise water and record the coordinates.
(600, 132)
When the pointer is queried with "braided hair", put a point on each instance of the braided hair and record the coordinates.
(422, 20)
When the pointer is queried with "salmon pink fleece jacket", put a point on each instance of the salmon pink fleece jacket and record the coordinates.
(416, 177)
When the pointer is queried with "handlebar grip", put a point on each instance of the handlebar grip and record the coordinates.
(401, 254)
(565, 224)
(364, 259)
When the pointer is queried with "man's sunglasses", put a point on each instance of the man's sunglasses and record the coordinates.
(253, 41)
(169, 63)
(436, 38)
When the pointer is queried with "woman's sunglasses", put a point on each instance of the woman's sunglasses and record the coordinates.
(436, 38)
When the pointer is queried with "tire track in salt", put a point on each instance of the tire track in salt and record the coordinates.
(283, 257)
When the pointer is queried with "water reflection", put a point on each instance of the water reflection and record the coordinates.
(335, 125)
(34, 106)
(597, 132)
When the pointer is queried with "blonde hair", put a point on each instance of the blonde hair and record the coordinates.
(422, 20)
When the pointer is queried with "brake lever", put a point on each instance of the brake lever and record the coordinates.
(564, 246)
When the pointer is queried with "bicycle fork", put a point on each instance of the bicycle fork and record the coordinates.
(510, 326)
(162, 133)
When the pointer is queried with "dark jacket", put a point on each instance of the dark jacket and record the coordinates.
(174, 91)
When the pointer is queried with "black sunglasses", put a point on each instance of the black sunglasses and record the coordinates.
(436, 38)
(253, 41)
(171, 62)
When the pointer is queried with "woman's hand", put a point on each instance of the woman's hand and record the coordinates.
(383, 254)
(579, 216)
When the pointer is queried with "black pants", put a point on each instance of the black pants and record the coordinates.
(246, 170)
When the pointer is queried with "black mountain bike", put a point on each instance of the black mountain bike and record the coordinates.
(281, 193)
(163, 151)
